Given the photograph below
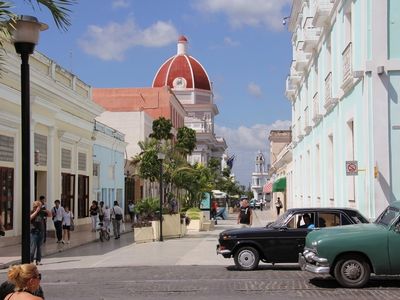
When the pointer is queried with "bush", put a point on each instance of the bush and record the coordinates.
(194, 213)
(147, 209)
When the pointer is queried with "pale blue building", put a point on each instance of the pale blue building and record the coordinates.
(344, 86)
(108, 165)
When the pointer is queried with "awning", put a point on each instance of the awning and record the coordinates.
(279, 185)
(267, 188)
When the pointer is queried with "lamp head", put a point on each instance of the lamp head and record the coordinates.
(26, 29)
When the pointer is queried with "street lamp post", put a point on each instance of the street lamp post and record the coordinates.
(161, 157)
(25, 35)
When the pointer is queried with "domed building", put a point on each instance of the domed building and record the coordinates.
(190, 83)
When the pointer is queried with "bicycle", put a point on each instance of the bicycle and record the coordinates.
(103, 232)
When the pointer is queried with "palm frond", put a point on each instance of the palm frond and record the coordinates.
(60, 10)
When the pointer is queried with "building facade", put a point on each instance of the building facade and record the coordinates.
(190, 83)
(343, 86)
(108, 165)
(61, 131)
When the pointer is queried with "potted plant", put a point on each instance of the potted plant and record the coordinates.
(146, 211)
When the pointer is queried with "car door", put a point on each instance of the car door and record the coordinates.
(289, 241)
(394, 246)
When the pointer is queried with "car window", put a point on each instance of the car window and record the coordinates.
(297, 220)
(357, 217)
(387, 216)
(328, 219)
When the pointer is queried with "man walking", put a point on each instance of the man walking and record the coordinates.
(57, 213)
(245, 216)
(117, 216)
(43, 200)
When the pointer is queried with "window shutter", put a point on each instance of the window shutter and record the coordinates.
(66, 158)
(81, 161)
(41, 147)
(6, 148)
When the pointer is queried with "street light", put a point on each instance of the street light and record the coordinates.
(25, 35)
(161, 157)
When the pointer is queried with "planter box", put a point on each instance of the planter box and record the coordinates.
(143, 234)
(172, 227)
(195, 225)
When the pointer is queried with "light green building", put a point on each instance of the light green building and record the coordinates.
(344, 86)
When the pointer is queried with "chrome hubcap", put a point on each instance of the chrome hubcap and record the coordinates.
(352, 270)
(246, 258)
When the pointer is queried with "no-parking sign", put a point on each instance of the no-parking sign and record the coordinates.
(351, 168)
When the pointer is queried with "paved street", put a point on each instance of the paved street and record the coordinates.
(185, 268)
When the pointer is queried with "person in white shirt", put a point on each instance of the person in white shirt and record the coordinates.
(57, 213)
(107, 218)
(117, 216)
(68, 220)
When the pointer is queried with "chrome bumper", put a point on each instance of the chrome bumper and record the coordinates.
(310, 262)
(224, 252)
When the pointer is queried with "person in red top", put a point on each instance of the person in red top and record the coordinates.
(214, 208)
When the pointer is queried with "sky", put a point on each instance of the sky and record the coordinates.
(242, 44)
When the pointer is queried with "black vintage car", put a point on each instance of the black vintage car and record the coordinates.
(281, 241)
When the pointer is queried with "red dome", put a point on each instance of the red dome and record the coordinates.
(182, 71)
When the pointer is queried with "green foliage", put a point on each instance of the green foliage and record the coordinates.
(147, 208)
(161, 129)
(194, 213)
(186, 140)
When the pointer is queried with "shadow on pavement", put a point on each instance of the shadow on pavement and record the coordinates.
(269, 267)
(331, 283)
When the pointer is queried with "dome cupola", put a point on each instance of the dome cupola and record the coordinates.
(182, 71)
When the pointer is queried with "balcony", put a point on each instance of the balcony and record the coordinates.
(311, 38)
(317, 117)
(347, 67)
(301, 61)
(290, 89)
(307, 126)
(330, 102)
(322, 12)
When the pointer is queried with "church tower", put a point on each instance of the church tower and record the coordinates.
(259, 176)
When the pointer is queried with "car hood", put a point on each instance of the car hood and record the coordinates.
(356, 231)
(253, 231)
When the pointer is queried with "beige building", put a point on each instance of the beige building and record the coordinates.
(61, 134)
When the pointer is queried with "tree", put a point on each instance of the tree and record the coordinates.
(186, 140)
(161, 129)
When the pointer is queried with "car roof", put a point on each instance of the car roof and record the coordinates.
(322, 209)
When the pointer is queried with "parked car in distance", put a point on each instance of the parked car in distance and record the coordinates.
(252, 203)
(258, 203)
(350, 254)
(280, 241)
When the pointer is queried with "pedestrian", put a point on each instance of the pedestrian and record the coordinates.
(2, 228)
(261, 204)
(68, 219)
(278, 205)
(23, 283)
(94, 211)
(245, 216)
(131, 211)
(117, 216)
(214, 209)
(107, 218)
(58, 213)
(38, 217)
(43, 200)
(101, 211)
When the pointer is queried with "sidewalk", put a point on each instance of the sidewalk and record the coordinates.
(12, 254)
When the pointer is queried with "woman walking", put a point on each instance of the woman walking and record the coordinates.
(94, 211)
(68, 219)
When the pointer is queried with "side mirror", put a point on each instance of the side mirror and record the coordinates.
(397, 228)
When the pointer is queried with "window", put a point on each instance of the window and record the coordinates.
(41, 149)
(350, 156)
(6, 148)
(331, 164)
(83, 196)
(7, 196)
(96, 169)
(81, 161)
(66, 158)
(68, 190)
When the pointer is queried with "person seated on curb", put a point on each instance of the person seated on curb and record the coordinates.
(307, 222)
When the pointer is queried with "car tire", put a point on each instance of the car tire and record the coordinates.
(352, 271)
(247, 258)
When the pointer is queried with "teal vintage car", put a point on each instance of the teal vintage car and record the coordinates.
(351, 253)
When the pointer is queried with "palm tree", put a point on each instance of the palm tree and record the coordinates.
(60, 10)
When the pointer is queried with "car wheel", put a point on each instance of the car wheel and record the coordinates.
(352, 271)
(247, 258)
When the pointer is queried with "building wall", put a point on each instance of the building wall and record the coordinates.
(356, 118)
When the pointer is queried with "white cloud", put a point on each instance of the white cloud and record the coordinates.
(229, 42)
(247, 12)
(120, 3)
(254, 89)
(245, 142)
(113, 40)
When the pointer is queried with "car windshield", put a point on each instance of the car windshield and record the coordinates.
(357, 217)
(387, 216)
(280, 221)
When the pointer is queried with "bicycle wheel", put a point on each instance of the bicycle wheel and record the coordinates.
(101, 236)
(106, 235)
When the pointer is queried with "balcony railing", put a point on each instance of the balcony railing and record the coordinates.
(330, 101)
(347, 66)
(311, 38)
(316, 114)
(322, 12)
